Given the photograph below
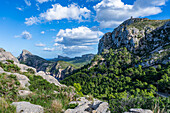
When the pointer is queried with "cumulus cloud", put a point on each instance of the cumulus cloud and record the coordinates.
(76, 40)
(58, 12)
(28, 3)
(32, 20)
(40, 45)
(24, 35)
(110, 13)
(48, 49)
(78, 36)
(42, 32)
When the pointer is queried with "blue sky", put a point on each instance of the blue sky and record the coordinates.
(49, 28)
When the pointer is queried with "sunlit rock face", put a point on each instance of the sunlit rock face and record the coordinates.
(137, 35)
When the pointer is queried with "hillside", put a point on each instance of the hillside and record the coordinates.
(57, 69)
(23, 89)
(132, 67)
(77, 61)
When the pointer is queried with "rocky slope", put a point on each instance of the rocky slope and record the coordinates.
(57, 69)
(131, 68)
(7, 56)
(137, 35)
(32, 92)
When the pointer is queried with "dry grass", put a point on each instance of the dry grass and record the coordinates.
(56, 106)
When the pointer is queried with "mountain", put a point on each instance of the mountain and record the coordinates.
(132, 67)
(77, 61)
(31, 92)
(57, 69)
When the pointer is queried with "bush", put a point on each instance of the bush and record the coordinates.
(56, 106)
(72, 106)
(5, 107)
(31, 71)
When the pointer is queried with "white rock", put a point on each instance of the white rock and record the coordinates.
(27, 107)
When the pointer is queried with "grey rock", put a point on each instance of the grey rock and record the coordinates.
(27, 107)
(139, 110)
(86, 106)
(1, 70)
(24, 81)
(7, 56)
(24, 92)
(50, 79)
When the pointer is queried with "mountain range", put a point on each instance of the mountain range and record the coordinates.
(131, 70)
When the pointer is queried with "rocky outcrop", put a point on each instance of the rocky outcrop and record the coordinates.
(24, 92)
(35, 61)
(24, 81)
(52, 68)
(27, 107)
(89, 106)
(139, 110)
(49, 78)
(7, 56)
(136, 36)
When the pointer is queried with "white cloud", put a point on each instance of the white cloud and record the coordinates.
(77, 40)
(28, 3)
(58, 12)
(19, 8)
(32, 20)
(24, 35)
(78, 36)
(42, 1)
(42, 32)
(110, 13)
(49, 49)
(40, 45)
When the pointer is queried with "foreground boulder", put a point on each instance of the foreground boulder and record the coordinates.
(7, 56)
(139, 110)
(27, 107)
(49, 78)
(89, 106)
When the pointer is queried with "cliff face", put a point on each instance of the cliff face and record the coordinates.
(137, 35)
(57, 69)
(7, 56)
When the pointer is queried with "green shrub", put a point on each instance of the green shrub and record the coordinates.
(72, 106)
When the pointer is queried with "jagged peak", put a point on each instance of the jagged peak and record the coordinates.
(26, 52)
(2, 50)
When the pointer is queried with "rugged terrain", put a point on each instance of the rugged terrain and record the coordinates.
(131, 68)
(131, 73)
(29, 91)
(57, 69)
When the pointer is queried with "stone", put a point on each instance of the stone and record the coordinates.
(7, 56)
(139, 110)
(24, 92)
(24, 81)
(1, 69)
(27, 107)
(86, 106)
(25, 67)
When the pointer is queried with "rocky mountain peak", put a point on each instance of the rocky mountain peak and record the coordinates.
(137, 34)
(26, 52)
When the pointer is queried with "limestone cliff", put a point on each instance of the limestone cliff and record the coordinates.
(137, 35)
